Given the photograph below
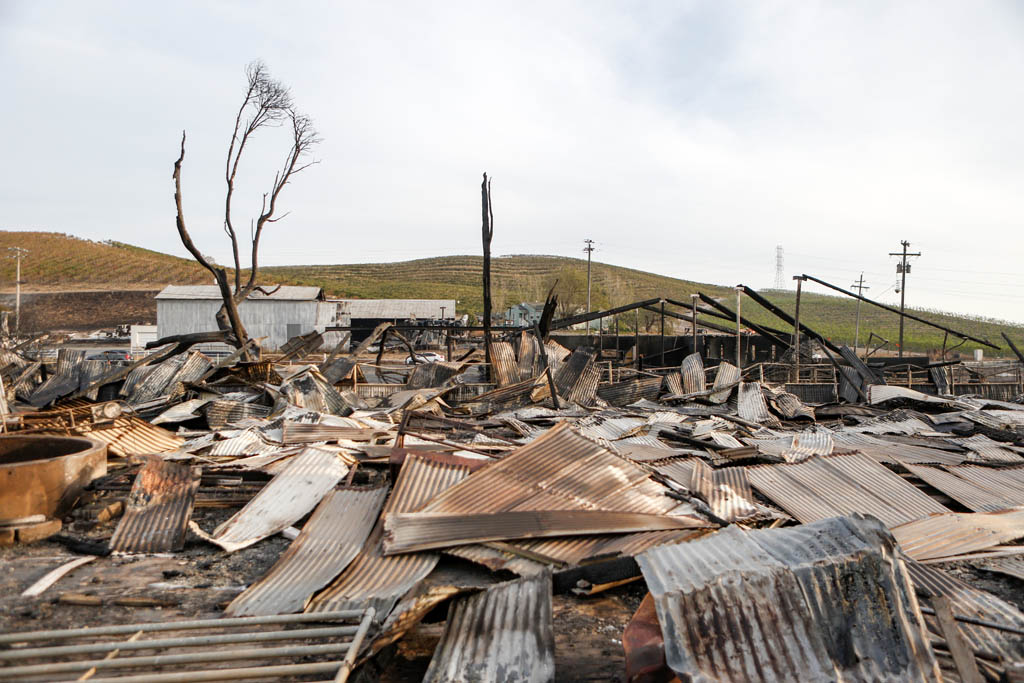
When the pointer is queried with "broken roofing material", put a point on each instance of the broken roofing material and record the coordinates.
(158, 508)
(824, 601)
(504, 633)
(286, 499)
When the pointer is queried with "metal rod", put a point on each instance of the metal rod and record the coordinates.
(357, 641)
(796, 330)
(739, 356)
(279, 671)
(252, 637)
(693, 302)
(183, 658)
(661, 361)
(978, 622)
(179, 625)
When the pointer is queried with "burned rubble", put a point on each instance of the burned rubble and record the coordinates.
(555, 515)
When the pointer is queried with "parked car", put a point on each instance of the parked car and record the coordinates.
(424, 357)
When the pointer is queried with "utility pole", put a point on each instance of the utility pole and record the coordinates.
(903, 268)
(589, 248)
(739, 357)
(18, 253)
(796, 329)
(693, 304)
(860, 287)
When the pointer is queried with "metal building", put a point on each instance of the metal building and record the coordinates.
(287, 312)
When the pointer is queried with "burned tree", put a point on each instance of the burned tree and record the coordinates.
(267, 103)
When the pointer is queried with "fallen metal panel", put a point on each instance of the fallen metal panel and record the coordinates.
(692, 371)
(411, 532)
(791, 407)
(969, 601)
(824, 601)
(158, 508)
(220, 414)
(584, 390)
(842, 484)
(309, 390)
(299, 432)
(283, 501)
(882, 450)
(957, 533)
(1011, 566)
(880, 393)
(529, 355)
(504, 364)
(131, 435)
(151, 385)
(985, 449)
(572, 371)
(329, 541)
(725, 490)
(504, 633)
(378, 580)
(976, 494)
(560, 470)
(496, 560)
(434, 374)
(752, 405)
(64, 381)
(624, 393)
(726, 378)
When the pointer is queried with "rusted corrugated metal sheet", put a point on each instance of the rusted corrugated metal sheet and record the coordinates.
(512, 395)
(791, 407)
(692, 371)
(573, 372)
(286, 499)
(151, 385)
(725, 379)
(220, 414)
(329, 541)
(560, 470)
(298, 432)
(726, 490)
(380, 581)
(249, 442)
(752, 405)
(309, 390)
(529, 355)
(504, 364)
(796, 447)
(624, 393)
(1011, 566)
(496, 560)
(964, 599)
(839, 485)
(674, 384)
(977, 488)
(957, 533)
(130, 435)
(823, 601)
(502, 634)
(433, 374)
(882, 450)
(988, 450)
(412, 532)
(158, 508)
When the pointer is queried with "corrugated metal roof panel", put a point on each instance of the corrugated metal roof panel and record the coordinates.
(977, 495)
(64, 381)
(1011, 566)
(416, 531)
(953, 533)
(397, 309)
(333, 536)
(158, 508)
(502, 634)
(692, 371)
(624, 393)
(220, 414)
(752, 405)
(283, 501)
(378, 580)
(725, 378)
(964, 599)
(503, 361)
(212, 292)
(496, 560)
(433, 374)
(726, 490)
(987, 450)
(130, 435)
(842, 484)
(825, 601)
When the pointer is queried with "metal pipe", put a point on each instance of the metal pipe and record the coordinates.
(253, 637)
(739, 357)
(357, 641)
(279, 671)
(179, 625)
(796, 330)
(183, 658)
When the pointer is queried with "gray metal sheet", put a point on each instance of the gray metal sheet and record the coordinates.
(842, 484)
(504, 364)
(977, 494)
(286, 499)
(726, 490)
(725, 379)
(504, 633)
(329, 541)
(692, 371)
(952, 534)
(824, 601)
(630, 390)
(752, 405)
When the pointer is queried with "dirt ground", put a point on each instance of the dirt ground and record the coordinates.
(83, 310)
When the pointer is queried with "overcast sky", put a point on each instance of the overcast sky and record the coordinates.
(685, 138)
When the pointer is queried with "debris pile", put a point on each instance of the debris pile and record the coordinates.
(355, 516)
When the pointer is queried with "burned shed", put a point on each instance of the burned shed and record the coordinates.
(365, 314)
(284, 313)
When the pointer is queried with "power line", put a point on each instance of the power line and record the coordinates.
(903, 268)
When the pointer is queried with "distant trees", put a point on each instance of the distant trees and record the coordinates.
(570, 284)
(267, 103)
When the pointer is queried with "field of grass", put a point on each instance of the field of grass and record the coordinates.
(60, 261)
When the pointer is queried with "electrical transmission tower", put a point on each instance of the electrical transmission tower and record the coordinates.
(780, 280)
(903, 268)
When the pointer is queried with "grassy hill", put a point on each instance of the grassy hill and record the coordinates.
(60, 261)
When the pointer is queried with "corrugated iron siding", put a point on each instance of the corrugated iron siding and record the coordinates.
(957, 533)
(624, 393)
(333, 536)
(752, 405)
(978, 491)
(725, 490)
(283, 501)
(502, 634)
(378, 580)
(158, 508)
(726, 376)
(692, 371)
(504, 364)
(130, 435)
(824, 601)
(842, 484)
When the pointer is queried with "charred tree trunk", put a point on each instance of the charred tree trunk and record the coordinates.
(488, 233)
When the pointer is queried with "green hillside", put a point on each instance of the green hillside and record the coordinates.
(57, 262)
